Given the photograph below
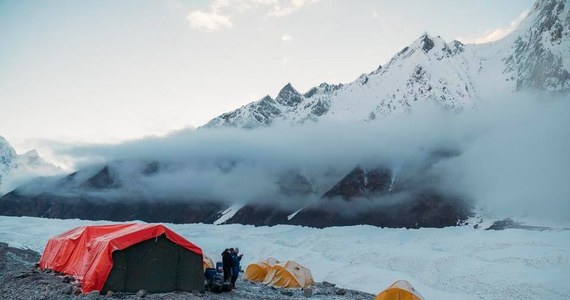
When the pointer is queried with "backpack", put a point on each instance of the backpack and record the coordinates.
(216, 284)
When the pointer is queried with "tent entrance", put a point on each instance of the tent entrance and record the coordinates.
(155, 265)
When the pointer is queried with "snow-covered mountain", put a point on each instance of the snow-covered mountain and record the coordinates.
(7, 157)
(451, 75)
(16, 168)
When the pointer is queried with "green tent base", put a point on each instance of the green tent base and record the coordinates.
(156, 265)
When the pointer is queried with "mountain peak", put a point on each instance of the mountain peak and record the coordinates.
(426, 42)
(289, 96)
(32, 153)
(288, 88)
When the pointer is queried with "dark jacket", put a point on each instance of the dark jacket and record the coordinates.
(226, 260)
(235, 263)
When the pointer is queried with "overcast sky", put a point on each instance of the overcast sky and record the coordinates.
(108, 71)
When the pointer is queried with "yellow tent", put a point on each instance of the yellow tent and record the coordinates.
(288, 274)
(400, 290)
(257, 270)
(207, 262)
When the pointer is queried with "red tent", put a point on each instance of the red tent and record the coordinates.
(86, 252)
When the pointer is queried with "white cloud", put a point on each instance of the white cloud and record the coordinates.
(220, 11)
(495, 34)
(286, 38)
(513, 156)
(209, 21)
(286, 7)
(284, 61)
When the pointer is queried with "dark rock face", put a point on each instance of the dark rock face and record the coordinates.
(259, 215)
(86, 207)
(508, 223)
(320, 108)
(359, 183)
(104, 179)
(426, 43)
(374, 197)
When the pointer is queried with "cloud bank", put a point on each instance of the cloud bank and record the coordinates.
(513, 156)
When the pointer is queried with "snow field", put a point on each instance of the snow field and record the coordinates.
(448, 263)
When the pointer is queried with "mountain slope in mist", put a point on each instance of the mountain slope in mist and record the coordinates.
(451, 75)
(109, 192)
(119, 191)
(16, 169)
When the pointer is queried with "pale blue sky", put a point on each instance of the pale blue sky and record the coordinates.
(106, 71)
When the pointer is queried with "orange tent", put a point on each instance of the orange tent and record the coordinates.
(288, 274)
(87, 252)
(208, 263)
(400, 290)
(258, 270)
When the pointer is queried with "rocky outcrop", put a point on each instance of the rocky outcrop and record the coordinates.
(539, 53)
(376, 197)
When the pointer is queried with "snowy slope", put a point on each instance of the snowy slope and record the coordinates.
(7, 157)
(449, 263)
(449, 75)
(540, 56)
(228, 214)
